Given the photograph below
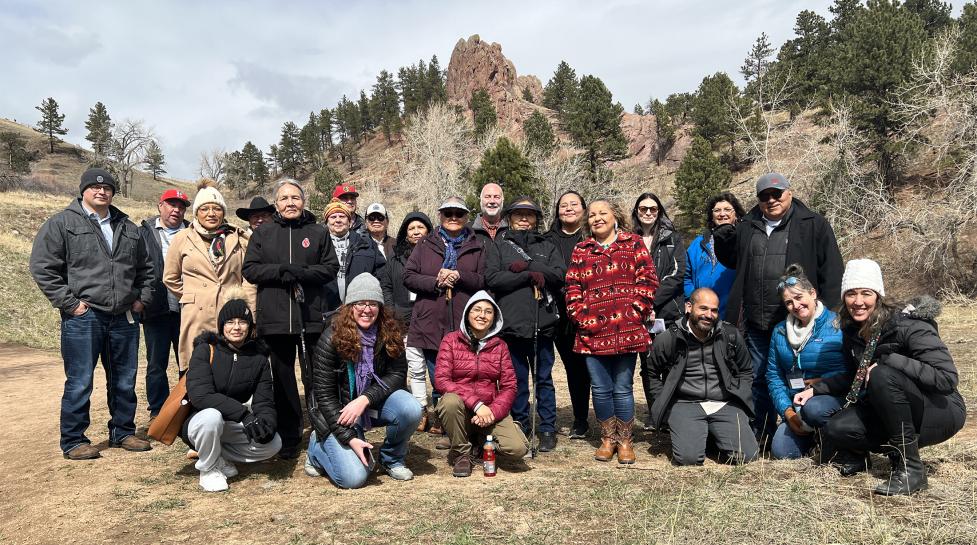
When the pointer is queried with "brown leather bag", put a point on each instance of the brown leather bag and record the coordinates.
(168, 423)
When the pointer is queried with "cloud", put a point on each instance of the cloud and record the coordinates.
(292, 93)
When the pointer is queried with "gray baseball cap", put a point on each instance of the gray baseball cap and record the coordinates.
(772, 180)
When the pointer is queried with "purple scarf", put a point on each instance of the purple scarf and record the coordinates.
(364, 371)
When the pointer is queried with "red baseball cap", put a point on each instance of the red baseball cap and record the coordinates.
(174, 194)
(344, 189)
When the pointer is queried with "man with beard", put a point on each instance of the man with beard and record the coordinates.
(701, 375)
(490, 223)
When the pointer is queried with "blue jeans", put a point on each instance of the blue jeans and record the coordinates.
(162, 333)
(83, 339)
(521, 351)
(765, 421)
(400, 412)
(430, 357)
(816, 412)
(611, 380)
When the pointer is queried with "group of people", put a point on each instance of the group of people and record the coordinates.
(811, 355)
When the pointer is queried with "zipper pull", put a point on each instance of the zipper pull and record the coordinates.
(235, 357)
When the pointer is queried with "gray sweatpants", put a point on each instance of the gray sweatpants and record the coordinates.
(213, 438)
(729, 426)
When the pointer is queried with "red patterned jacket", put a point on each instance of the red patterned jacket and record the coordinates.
(610, 292)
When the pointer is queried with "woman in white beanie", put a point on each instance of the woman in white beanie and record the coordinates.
(901, 393)
(203, 261)
(358, 371)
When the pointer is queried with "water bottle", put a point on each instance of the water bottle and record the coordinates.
(488, 457)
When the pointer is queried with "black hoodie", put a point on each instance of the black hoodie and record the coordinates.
(395, 293)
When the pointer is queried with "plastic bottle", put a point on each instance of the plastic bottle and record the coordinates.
(488, 457)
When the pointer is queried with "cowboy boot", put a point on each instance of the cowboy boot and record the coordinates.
(907, 475)
(608, 432)
(625, 449)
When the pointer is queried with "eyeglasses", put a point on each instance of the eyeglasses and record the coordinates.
(482, 311)
(775, 194)
(647, 210)
(210, 209)
(375, 218)
(453, 213)
(788, 282)
(569, 205)
(723, 210)
(236, 322)
(363, 305)
(101, 188)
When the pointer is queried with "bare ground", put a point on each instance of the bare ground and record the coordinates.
(562, 497)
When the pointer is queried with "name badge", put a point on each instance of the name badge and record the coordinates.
(796, 379)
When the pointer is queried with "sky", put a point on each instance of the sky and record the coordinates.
(213, 75)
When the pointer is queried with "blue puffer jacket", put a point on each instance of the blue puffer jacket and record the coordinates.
(821, 357)
(701, 272)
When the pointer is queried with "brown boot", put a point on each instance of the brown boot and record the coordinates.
(435, 422)
(422, 425)
(625, 450)
(133, 444)
(84, 451)
(605, 453)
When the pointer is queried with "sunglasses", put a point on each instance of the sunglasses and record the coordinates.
(774, 194)
(453, 213)
(788, 282)
(375, 218)
(647, 209)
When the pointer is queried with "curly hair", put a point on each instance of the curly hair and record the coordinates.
(623, 225)
(724, 196)
(346, 335)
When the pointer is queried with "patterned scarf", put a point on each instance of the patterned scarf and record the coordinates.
(217, 238)
(855, 392)
(451, 248)
(364, 371)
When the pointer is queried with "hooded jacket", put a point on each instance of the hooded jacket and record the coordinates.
(670, 354)
(332, 380)
(235, 376)
(669, 257)
(363, 256)
(702, 272)
(820, 358)
(610, 294)
(484, 375)
(910, 342)
(434, 314)
(395, 292)
(160, 304)
(301, 242)
(71, 262)
(514, 290)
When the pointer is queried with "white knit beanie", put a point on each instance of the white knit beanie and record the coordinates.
(365, 287)
(862, 273)
(207, 194)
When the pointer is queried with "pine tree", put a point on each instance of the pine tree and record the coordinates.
(755, 70)
(387, 105)
(15, 154)
(700, 176)
(437, 92)
(324, 182)
(407, 84)
(310, 139)
(638, 109)
(51, 121)
(255, 166)
(594, 122)
(325, 129)
(527, 95)
(505, 165)
(423, 86)
(348, 125)
(561, 88)
(99, 127)
(155, 159)
(710, 110)
(290, 149)
(679, 106)
(539, 134)
(806, 58)
(483, 112)
(934, 14)
(665, 132)
(366, 115)
(967, 45)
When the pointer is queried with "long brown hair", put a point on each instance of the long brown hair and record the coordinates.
(346, 335)
(880, 316)
(619, 217)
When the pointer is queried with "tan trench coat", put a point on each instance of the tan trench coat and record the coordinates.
(200, 284)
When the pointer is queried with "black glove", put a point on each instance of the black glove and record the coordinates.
(256, 429)
(286, 276)
(297, 271)
(537, 278)
(518, 266)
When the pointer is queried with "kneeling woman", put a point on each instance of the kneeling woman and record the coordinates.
(226, 370)
(358, 370)
(474, 371)
(804, 349)
(904, 391)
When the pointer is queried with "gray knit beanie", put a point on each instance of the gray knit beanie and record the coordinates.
(365, 287)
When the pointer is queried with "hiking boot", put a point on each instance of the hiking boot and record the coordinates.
(462, 467)
(907, 475)
(399, 473)
(608, 445)
(443, 443)
(84, 451)
(422, 425)
(227, 468)
(133, 444)
(648, 425)
(289, 453)
(850, 463)
(625, 449)
(213, 481)
(579, 430)
(547, 441)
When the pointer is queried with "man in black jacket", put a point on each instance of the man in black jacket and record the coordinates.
(161, 319)
(778, 232)
(700, 376)
(290, 259)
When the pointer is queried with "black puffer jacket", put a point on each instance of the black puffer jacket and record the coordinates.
(363, 256)
(301, 242)
(810, 243)
(331, 378)
(910, 342)
(234, 377)
(395, 293)
(669, 355)
(669, 257)
(514, 291)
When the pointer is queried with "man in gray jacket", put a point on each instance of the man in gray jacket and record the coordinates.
(92, 265)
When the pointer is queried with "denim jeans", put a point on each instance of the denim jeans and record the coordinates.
(787, 445)
(765, 421)
(430, 357)
(83, 339)
(162, 333)
(612, 380)
(521, 351)
(400, 413)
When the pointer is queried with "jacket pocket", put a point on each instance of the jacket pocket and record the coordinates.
(187, 298)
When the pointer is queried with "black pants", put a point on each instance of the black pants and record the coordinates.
(578, 378)
(646, 380)
(287, 401)
(729, 427)
(894, 410)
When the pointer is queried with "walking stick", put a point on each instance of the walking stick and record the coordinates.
(533, 443)
(298, 294)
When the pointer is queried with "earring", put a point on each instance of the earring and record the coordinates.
(615, 226)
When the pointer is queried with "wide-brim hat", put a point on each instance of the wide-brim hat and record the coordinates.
(258, 204)
(524, 203)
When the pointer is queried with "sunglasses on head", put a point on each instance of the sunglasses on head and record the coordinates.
(453, 213)
(776, 194)
(788, 282)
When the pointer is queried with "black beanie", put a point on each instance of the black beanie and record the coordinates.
(95, 176)
(235, 308)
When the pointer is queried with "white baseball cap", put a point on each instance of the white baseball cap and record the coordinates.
(376, 208)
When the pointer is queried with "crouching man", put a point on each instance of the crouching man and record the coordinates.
(701, 375)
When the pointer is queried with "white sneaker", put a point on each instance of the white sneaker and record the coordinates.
(400, 473)
(213, 480)
(227, 468)
(310, 469)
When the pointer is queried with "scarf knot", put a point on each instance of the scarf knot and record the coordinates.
(451, 245)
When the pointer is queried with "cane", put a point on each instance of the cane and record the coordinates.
(299, 295)
(533, 445)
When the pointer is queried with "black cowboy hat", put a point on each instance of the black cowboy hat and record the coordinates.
(258, 204)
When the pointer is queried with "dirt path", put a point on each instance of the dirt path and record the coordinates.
(153, 497)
